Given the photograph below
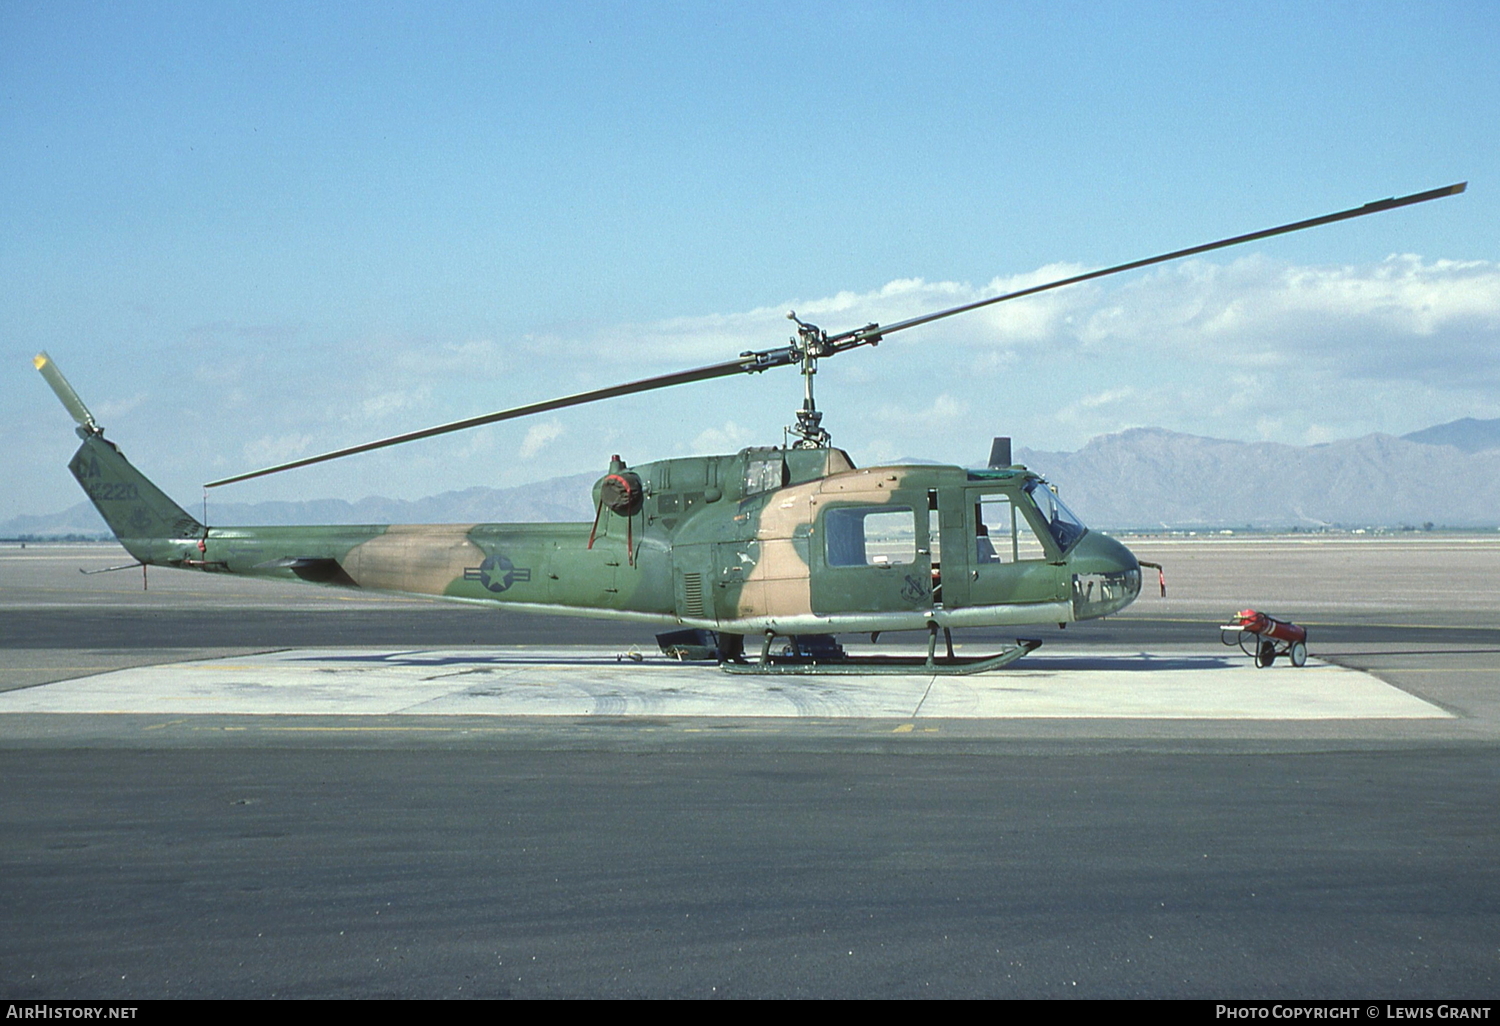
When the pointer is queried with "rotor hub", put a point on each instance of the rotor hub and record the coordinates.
(808, 344)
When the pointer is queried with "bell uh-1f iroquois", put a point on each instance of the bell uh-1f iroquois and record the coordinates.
(791, 541)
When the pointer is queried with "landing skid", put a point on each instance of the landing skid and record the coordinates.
(839, 663)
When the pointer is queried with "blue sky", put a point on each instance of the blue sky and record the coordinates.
(251, 232)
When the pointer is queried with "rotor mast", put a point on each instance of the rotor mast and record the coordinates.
(809, 343)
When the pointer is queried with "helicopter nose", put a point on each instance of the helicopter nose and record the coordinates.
(1106, 576)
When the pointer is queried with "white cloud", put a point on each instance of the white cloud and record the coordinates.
(729, 438)
(477, 358)
(683, 341)
(943, 412)
(383, 405)
(1103, 412)
(110, 409)
(1250, 313)
(1250, 349)
(539, 436)
(269, 449)
(1371, 319)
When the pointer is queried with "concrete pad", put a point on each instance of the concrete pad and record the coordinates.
(521, 681)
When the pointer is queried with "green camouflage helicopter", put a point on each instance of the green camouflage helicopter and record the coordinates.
(791, 541)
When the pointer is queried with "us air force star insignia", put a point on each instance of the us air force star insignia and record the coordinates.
(497, 573)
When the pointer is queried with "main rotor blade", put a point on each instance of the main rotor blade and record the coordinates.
(746, 364)
(753, 362)
(875, 332)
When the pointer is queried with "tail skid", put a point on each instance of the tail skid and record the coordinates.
(152, 527)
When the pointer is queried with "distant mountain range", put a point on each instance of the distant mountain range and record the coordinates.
(1447, 475)
(1469, 435)
(1150, 478)
(559, 499)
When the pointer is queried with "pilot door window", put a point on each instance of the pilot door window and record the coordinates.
(870, 536)
(1002, 534)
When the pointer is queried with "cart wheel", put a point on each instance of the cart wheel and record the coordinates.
(1299, 654)
(1266, 654)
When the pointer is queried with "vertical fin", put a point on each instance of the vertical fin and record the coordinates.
(151, 526)
(139, 513)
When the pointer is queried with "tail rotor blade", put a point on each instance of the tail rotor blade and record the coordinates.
(70, 400)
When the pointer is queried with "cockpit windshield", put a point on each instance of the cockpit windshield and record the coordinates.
(1066, 528)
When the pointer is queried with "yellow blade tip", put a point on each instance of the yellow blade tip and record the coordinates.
(39, 361)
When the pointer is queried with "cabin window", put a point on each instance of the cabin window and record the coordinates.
(764, 475)
(934, 528)
(870, 535)
(1065, 527)
(1002, 534)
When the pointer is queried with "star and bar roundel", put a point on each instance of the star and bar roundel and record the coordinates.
(497, 573)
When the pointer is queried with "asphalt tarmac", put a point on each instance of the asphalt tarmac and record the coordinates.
(485, 854)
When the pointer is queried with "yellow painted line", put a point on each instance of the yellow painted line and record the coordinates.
(905, 728)
(1435, 669)
(1480, 537)
(67, 669)
(1124, 621)
(1411, 626)
(1129, 618)
(352, 730)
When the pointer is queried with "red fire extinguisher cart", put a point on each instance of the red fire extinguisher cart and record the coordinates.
(1264, 637)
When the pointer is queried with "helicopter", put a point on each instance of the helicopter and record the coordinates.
(791, 541)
